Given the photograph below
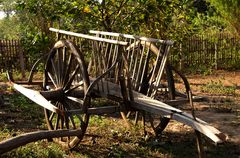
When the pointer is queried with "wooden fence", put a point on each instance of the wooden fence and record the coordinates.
(11, 56)
(221, 51)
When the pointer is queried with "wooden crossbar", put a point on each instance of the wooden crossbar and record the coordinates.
(141, 38)
(88, 36)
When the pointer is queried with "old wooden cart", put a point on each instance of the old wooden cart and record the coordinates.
(131, 71)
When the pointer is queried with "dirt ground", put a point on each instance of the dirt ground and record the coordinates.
(225, 118)
(220, 110)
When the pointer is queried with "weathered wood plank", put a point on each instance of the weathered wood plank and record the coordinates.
(97, 110)
(36, 97)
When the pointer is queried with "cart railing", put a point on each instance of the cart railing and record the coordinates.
(156, 63)
(144, 68)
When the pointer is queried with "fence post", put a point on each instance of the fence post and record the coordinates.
(181, 57)
(216, 55)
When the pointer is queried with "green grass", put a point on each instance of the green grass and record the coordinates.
(107, 137)
(40, 149)
(217, 87)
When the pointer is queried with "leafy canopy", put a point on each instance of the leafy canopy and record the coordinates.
(229, 9)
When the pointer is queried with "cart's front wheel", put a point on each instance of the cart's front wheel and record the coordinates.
(65, 69)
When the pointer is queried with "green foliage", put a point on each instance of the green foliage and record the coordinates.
(3, 77)
(199, 69)
(9, 28)
(10, 24)
(35, 44)
(99, 121)
(164, 19)
(230, 11)
(7, 6)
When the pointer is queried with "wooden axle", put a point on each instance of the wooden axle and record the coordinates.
(56, 94)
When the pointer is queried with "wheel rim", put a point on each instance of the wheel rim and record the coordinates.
(66, 70)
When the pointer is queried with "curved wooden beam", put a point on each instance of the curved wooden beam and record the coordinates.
(23, 139)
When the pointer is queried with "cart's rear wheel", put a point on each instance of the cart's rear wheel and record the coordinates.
(65, 69)
(157, 123)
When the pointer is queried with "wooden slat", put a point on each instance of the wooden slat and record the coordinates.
(97, 110)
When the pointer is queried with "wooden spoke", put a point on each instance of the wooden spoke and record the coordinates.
(158, 123)
(76, 100)
(80, 118)
(64, 65)
(68, 68)
(60, 64)
(75, 87)
(71, 119)
(51, 78)
(51, 116)
(68, 84)
(57, 123)
(55, 72)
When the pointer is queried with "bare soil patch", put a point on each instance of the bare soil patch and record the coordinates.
(221, 110)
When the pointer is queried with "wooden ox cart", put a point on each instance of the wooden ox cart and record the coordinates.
(131, 71)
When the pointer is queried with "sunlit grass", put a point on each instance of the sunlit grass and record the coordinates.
(217, 87)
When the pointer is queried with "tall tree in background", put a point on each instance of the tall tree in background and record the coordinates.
(230, 10)
(9, 23)
(161, 19)
(156, 18)
(7, 6)
(165, 19)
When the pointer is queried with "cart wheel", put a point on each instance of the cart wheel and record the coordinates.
(157, 123)
(65, 69)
